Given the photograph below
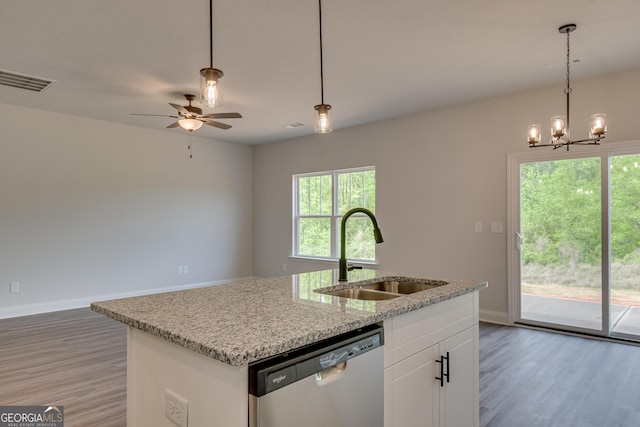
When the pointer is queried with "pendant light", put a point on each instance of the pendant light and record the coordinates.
(323, 111)
(210, 94)
(560, 125)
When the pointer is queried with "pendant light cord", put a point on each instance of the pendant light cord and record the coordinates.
(321, 65)
(210, 33)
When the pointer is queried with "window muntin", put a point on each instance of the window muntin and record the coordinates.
(320, 200)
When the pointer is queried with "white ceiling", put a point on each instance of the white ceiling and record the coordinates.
(383, 58)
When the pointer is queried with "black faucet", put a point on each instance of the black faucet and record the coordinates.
(376, 234)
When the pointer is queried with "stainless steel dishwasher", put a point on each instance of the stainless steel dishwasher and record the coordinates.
(337, 382)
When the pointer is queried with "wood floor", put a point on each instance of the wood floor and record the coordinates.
(532, 378)
(528, 378)
(73, 358)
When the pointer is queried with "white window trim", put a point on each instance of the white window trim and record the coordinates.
(335, 218)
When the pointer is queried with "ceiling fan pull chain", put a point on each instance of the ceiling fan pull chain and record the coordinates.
(189, 143)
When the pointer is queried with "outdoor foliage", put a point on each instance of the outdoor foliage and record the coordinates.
(319, 218)
(561, 211)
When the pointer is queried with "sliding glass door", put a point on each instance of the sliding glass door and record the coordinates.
(575, 220)
(625, 245)
(561, 251)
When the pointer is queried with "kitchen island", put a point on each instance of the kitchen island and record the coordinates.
(198, 343)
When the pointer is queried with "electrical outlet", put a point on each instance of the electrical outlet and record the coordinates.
(284, 267)
(14, 287)
(176, 408)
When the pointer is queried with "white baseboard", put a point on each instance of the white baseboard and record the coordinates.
(68, 304)
(494, 317)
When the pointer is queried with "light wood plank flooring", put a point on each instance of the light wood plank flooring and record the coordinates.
(531, 378)
(74, 358)
(528, 378)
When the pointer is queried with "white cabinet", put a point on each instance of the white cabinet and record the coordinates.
(411, 393)
(439, 341)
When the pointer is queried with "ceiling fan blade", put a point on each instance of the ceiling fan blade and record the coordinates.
(173, 125)
(216, 124)
(221, 116)
(180, 109)
(154, 115)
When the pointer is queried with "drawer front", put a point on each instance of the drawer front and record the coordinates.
(413, 332)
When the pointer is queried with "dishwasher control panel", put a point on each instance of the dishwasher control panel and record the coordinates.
(281, 370)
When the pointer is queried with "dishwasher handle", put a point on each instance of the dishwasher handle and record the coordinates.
(329, 375)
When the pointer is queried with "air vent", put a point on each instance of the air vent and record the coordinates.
(22, 81)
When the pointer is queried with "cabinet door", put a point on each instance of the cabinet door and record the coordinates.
(411, 392)
(459, 405)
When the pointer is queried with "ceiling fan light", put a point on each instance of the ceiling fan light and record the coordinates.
(190, 124)
(323, 118)
(210, 94)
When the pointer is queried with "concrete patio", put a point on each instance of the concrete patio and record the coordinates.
(580, 314)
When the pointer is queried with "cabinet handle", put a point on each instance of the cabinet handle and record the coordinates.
(447, 374)
(442, 373)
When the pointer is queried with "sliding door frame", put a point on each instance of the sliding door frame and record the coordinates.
(514, 160)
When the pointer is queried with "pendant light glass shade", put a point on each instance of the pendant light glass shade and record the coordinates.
(210, 94)
(190, 124)
(534, 134)
(598, 125)
(558, 127)
(323, 118)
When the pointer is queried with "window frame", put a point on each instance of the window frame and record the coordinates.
(334, 217)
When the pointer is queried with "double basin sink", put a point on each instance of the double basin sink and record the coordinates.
(383, 290)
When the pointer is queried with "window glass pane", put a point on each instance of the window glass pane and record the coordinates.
(315, 195)
(359, 238)
(315, 237)
(356, 190)
(561, 256)
(625, 244)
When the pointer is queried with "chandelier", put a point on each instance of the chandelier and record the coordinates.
(560, 125)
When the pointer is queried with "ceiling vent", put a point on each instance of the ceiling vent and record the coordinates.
(22, 81)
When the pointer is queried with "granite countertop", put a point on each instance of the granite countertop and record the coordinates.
(242, 322)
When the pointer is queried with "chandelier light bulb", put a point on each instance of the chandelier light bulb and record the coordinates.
(534, 135)
(598, 125)
(558, 127)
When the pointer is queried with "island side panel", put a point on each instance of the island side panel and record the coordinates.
(217, 393)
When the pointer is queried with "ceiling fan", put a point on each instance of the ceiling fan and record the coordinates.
(191, 118)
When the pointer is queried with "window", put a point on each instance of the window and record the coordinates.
(320, 200)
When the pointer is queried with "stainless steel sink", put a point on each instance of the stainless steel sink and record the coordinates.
(363, 294)
(384, 290)
(402, 287)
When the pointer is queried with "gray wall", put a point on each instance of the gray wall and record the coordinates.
(438, 172)
(91, 209)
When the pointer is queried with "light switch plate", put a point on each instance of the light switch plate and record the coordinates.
(477, 226)
(496, 227)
